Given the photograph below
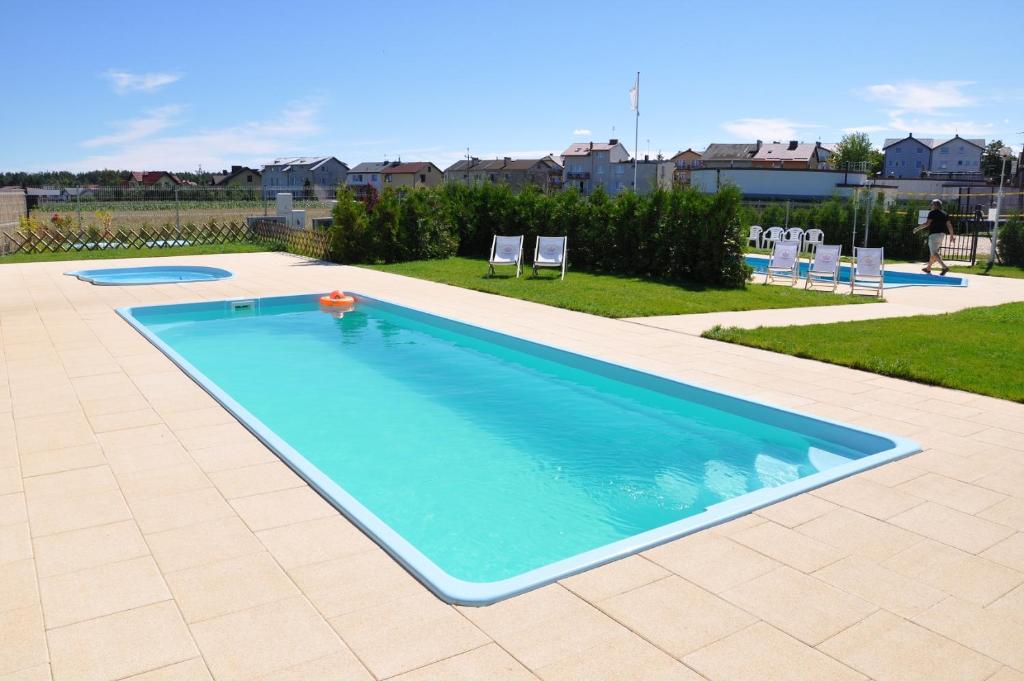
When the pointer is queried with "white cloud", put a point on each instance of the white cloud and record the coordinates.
(581, 131)
(124, 82)
(252, 143)
(153, 122)
(939, 127)
(867, 128)
(766, 128)
(923, 97)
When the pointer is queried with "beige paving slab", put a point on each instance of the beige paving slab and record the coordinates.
(143, 485)
(56, 460)
(228, 586)
(147, 457)
(224, 457)
(763, 653)
(662, 613)
(52, 514)
(141, 437)
(102, 423)
(202, 543)
(37, 673)
(10, 480)
(343, 666)
(12, 509)
(962, 531)
(888, 648)
(120, 645)
(263, 639)
(1011, 604)
(955, 494)
(972, 578)
(1009, 552)
(258, 479)
(189, 670)
(89, 547)
(53, 431)
(407, 633)
(102, 590)
(172, 511)
(796, 510)
(70, 483)
(18, 585)
(711, 561)
(625, 658)
(788, 546)
(855, 533)
(987, 631)
(1007, 674)
(614, 578)
(485, 662)
(878, 585)
(868, 497)
(15, 543)
(284, 507)
(24, 644)
(315, 541)
(1009, 512)
(354, 582)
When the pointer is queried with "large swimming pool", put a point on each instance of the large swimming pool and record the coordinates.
(893, 278)
(486, 464)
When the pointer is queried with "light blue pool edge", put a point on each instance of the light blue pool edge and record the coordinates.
(462, 592)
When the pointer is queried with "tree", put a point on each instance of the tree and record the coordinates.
(856, 148)
(992, 160)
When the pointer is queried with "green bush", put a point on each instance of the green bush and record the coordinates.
(1011, 243)
(678, 235)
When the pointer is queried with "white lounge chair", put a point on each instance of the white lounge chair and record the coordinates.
(794, 234)
(771, 235)
(812, 239)
(824, 269)
(506, 250)
(784, 263)
(868, 270)
(754, 235)
(550, 251)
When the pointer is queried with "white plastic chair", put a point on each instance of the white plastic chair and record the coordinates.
(550, 251)
(506, 250)
(784, 263)
(824, 269)
(794, 234)
(755, 235)
(812, 239)
(771, 236)
(868, 270)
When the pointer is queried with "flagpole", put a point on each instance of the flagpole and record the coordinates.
(636, 130)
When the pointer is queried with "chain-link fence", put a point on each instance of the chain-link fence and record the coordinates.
(147, 208)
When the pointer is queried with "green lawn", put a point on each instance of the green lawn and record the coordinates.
(612, 296)
(996, 271)
(116, 253)
(978, 349)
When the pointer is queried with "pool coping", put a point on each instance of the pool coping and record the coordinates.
(83, 275)
(462, 592)
(961, 279)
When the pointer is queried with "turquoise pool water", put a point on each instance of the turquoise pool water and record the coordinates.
(157, 274)
(485, 463)
(893, 279)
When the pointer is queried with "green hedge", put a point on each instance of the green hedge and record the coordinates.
(678, 235)
(1011, 243)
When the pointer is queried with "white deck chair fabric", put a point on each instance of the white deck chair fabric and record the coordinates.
(868, 270)
(506, 250)
(755, 235)
(771, 235)
(824, 269)
(784, 263)
(550, 251)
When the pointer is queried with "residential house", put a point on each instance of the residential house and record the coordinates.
(911, 157)
(304, 176)
(651, 174)
(588, 165)
(685, 161)
(154, 179)
(370, 173)
(240, 177)
(793, 154)
(413, 175)
(730, 155)
(545, 173)
(800, 184)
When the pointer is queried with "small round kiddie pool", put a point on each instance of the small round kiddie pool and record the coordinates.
(159, 274)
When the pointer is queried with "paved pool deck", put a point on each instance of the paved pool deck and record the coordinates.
(144, 534)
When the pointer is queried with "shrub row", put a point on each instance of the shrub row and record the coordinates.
(1011, 243)
(679, 235)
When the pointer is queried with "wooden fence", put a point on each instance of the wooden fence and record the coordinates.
(45, 239)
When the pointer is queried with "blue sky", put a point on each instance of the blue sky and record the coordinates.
(143, 87)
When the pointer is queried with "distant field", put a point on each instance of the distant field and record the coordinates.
(156, 213)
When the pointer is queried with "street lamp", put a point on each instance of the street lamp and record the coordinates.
(1006, 153)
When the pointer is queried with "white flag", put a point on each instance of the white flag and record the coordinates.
(634, 94)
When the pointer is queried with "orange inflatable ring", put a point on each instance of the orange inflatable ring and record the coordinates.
(337, 299)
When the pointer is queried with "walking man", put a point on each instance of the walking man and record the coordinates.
(938, 225)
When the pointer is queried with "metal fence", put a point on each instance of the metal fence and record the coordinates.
(149, 207)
